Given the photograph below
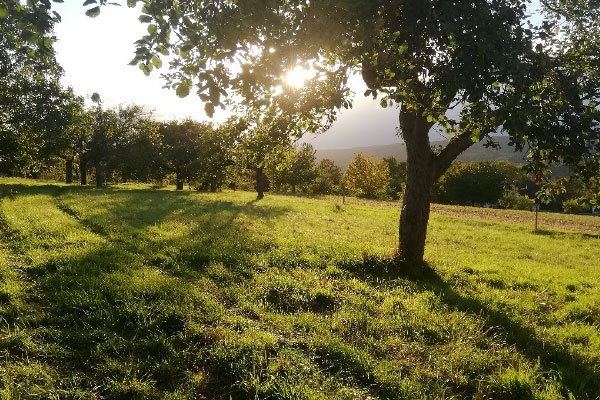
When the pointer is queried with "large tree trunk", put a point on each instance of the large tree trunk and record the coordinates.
(99, 173)
(83, 169)
(69, 170)
(260, 183)
(420, 172)
(423, 168)
(415, 210)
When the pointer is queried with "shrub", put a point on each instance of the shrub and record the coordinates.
(477, 183)
(513, 200)
(577, 206)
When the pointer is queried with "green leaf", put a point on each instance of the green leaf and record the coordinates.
(145, 19)
(93, 12)
(152, 29)
(183, 89)
(430, 118)
(157, 61)
(187, 47)
(210, 109)
(402, 49)
(162, 50)
(88, 2)
(3, 12)
(131, 3)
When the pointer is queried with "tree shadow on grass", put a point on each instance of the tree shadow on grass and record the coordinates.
(580, 378)
(122, 327)
(559, 234)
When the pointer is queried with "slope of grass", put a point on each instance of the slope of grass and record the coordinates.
(142, 294)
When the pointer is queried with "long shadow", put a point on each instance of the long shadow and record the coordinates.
(580, 378)
(89, 306)
(558, 234)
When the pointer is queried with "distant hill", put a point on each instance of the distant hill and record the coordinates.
(477, 152)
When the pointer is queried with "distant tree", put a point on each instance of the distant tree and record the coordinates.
(136, 152)
(76, 135)
(181, 148)
(477, 183)
(367, 178)
(112, 130)
(300, 170)
(397, 177)
(329, 178)
(217, 152)
(265, 144)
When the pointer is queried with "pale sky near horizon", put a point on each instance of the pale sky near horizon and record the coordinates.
(95, 53)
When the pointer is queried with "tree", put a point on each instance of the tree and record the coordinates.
(265, 144)
(34, 108)
(181, 148)
(135, 152)
(217, 152)
(329, 178)
(397, 177)
(367, 178)
(477, 183)
(301, 168)
(111, 131)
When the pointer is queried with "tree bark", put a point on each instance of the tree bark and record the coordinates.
(83, 169)
(69, 170)
(179, 183)
(99, 173)
(423, 168)
(294, 189)
(420, 168)
(260, 183)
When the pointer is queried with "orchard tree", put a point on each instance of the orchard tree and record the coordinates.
(135, 153)
(266, 144)
(34, 108)
(329, 178)
(301, 168)
(397, 177)
(217, 152)
(181, 148)
(426, 57)
(367, 178)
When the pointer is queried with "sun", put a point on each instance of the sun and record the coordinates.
(297, 77)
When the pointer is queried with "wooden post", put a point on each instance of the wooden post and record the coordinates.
(537, 209)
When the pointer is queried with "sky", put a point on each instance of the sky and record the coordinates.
(95, 53)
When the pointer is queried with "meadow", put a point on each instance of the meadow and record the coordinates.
(133, 293)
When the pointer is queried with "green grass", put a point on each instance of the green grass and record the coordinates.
(131, 293)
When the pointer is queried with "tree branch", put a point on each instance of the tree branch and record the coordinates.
(454, 148)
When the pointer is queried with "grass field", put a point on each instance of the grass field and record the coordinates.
(132, 293)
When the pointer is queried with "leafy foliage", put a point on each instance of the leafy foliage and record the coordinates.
(367, 178)
(299, 170)
(397, 177)
(34, 108)
(329, 178)
(514, 200)
(477, 183)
